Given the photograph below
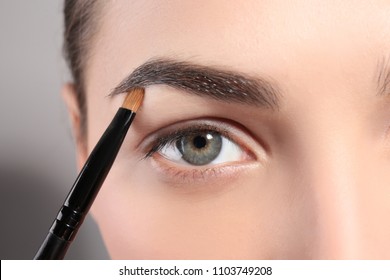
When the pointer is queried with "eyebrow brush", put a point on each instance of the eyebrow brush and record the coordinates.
(88, 183)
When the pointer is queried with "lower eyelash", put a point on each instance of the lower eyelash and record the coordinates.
(200, 175)
(192, 174)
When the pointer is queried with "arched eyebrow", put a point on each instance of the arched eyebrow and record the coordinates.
(206, 81)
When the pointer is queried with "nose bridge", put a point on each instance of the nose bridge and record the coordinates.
(331, 169)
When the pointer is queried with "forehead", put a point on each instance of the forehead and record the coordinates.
(311, 42)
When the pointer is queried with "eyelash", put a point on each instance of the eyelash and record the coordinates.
(170, 138)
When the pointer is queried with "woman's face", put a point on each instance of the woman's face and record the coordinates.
(223, 174)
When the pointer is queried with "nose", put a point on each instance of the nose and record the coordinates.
(345, 178)
(332, 179)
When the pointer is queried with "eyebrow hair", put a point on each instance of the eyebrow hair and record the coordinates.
(383, 78)
(205, 81)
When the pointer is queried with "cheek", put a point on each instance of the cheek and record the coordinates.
(124, 212)
(142, 218)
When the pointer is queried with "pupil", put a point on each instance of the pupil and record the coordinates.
(199, 142)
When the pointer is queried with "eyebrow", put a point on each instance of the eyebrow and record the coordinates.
(205, 81)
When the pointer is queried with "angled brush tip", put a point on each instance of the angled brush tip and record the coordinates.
(134, 99)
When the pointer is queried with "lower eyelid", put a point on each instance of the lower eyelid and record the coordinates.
(172, 174)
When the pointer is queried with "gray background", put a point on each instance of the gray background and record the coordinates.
(37, 162)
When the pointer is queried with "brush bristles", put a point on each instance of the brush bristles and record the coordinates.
(134, 99)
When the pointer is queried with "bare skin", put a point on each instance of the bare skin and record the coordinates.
(312, 179)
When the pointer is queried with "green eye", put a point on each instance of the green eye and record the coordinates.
(200, 149)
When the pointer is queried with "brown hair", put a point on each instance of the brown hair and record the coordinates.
(80, 24)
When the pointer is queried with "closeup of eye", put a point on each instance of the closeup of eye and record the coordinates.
(200, 145)
(202, 148)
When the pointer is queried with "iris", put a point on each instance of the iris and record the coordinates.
(201, 148)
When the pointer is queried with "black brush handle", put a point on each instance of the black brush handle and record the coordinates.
(52, 248)
(85, 189)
